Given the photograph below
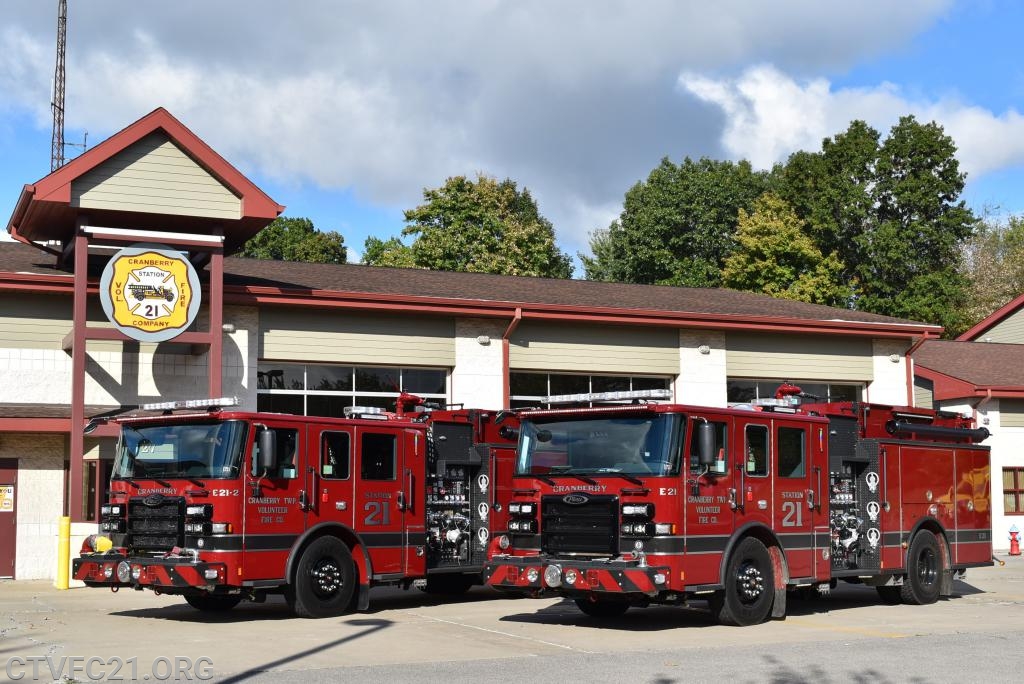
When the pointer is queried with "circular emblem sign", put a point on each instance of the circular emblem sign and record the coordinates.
(150, 292)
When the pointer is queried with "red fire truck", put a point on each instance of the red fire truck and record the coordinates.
(221, 506)
(641, 503)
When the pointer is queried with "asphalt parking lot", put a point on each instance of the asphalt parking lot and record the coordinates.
(410, 636)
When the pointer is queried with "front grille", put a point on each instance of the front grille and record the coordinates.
(156, 523)
(580, 524)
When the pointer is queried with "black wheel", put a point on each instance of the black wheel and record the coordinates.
(924, 570)
(325, 580)
(449, 585)
(602, 609)
(749, 586)
(212, 604)
(890, 595)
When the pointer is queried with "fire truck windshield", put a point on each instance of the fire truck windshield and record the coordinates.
(646, 445)
(180, 450)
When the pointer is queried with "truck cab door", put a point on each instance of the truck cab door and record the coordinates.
(330, 481)
(710, 494)
(381, 499)
(275, 502)
(795, 495)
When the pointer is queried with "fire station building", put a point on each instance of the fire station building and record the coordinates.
(314, 338)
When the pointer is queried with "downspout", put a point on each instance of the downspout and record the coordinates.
(505, 363)
(910, 365)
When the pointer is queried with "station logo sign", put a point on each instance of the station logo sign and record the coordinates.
(150, 292)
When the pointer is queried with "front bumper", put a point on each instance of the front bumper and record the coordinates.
(170, 574)
(537, 576)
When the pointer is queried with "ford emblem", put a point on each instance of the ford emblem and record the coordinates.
(153, 500)
(575, 499)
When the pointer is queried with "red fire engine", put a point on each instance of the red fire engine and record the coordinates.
(218, 505)
(632, 504)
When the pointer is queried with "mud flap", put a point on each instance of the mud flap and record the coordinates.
(779, 605)
(363, 597)
(946, 583)
(781, 573)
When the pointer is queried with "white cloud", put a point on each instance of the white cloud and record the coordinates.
(769, 115)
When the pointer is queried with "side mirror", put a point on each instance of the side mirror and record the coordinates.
(265, 458)
(706, 442)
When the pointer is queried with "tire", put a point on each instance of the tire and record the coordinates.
(212, 604)
(449, 585)
(325, 580)
(890, 595)
(602, 610)
(749, 586)
(924, 570)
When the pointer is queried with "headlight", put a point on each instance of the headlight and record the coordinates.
(124, 571)
(571, 576)
(220, 528)
(200, 511)
(108, 509)
(664, 528)
(645, 509)
(526, 508)
(514, 507)
(532, 575)
(553, 575)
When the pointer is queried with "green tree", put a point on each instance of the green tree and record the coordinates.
(392, 252)
(676, 228)
(482, 226)
(911, 264)
(994, 265)
(296, 239)
(775, 255)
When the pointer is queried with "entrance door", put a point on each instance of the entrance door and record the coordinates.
(8, 515)
(380, 497)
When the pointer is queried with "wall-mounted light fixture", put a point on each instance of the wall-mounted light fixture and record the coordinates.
(483, 340)
(228, 328)
(895, 358)
(704, 349)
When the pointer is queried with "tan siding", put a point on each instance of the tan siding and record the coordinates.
(1009, 330)
(924, 393)
(155, 176)
(592, 348)
(34, 321)
(1011, 413)
(287, 335)
(795, 356)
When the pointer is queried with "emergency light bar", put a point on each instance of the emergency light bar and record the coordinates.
(623, 395)
(375, 412)
(190, 404)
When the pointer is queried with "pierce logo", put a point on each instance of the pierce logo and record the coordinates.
(575, 499)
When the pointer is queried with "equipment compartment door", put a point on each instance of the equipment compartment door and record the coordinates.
(381, 498)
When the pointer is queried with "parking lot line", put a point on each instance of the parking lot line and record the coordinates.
(874, 633)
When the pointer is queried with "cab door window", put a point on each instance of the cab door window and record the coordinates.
(287, 449)
(335, 455)
(378, 456)
(792, 452)
(720, 466)
(756, 458)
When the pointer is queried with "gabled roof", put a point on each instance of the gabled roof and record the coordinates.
(960, 370)
(44, 210)
(396, 290)
(994, 319)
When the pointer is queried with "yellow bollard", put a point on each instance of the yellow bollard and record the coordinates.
(63, 553)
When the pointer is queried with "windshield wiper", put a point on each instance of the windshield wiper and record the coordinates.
(628, 478)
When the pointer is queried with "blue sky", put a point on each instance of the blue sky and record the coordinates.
(345, 111)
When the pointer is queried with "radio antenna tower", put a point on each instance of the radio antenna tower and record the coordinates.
(57, 105)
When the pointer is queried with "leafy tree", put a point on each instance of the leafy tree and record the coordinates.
(676, 228)
(482, 226)
(377, 252)
(296, 239)
(911, 253)
(994, 265)
(776, 255)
